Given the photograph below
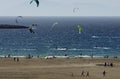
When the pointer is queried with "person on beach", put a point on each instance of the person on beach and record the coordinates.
(82, 74)
(65, 54)
(5, 57)
(115, 57)
(14, 58)
(38, 56)
(81, 54)
(105, 64)
(29, 56)
(72, 74)
(87, 75)
(17, 59)
(9, 56)
(111, 64)
(104, 73)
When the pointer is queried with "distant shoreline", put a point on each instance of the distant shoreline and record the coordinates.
(54, 56)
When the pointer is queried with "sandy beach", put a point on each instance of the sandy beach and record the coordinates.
(59, 68)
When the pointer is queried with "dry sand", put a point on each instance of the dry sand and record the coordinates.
(59, 68)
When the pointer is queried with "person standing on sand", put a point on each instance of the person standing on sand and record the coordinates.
(72, 74)
(105, 64)
(87, 75)
(17, 59)
(9, 56)
(104, 73)
(111, 64)
(82, 74)
(14, 58)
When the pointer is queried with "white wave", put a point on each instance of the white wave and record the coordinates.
(101, 47)
(19, 56)
(82, 56)
(12, 56)
(104, 37)
(74, 49)
(22, 49)
(60, 49)
(98, 56)
(95, 37)
(2, 56)
(62, 56)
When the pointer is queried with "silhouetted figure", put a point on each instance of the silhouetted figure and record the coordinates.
(30, 56)
(111, 64)
(9, 56)
(65, 54)
(82, 74)
(80, 54)
(72, 74)
(87, 74)
(31, 30)
(105, 64)
(115, 57)
(14, 58)
(106, 56)
(5, 57)
(38, 56)
(37, 2)
(17, 59)
(104, 73)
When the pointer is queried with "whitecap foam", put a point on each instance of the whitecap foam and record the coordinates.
(74, 49)
(60, 49)
(82, 56)
(23, 49)
(101, 47)
(95, 37)
(12, 56)
(62, 56)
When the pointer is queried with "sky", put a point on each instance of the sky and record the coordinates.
(60, 8)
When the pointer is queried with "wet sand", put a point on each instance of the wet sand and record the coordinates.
(59, 68)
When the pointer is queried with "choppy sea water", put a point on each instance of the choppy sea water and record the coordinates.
(59, 36)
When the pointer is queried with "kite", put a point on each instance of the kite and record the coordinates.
(18, 18)
(79, 29)
(54, 24)
(36, 1)
(76, 10)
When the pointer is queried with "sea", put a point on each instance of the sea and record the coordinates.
(59, 36)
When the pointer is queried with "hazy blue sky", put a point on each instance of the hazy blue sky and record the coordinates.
(60, 8)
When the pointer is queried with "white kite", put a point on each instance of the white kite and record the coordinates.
(54, 24)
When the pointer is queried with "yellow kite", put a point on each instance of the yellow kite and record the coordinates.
(79, 29)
